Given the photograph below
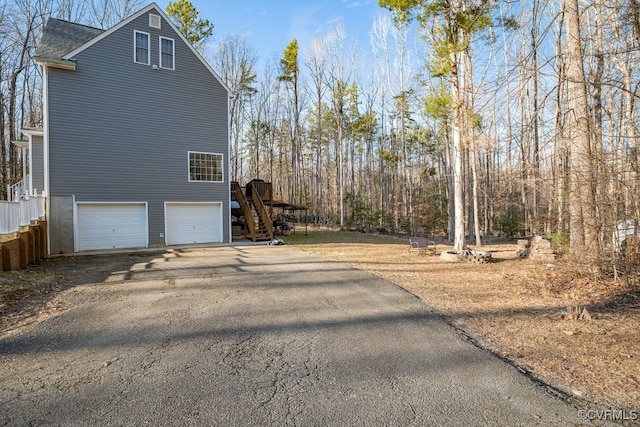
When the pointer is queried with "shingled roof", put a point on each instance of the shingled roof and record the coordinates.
(61, 37)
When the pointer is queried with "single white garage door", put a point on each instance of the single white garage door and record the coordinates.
(188, 223)
(111, 226)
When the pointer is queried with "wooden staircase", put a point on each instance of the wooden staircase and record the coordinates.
(253, 201)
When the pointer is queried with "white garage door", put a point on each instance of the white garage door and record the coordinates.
(188, 223)
(111, 226)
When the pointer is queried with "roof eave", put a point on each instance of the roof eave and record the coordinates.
(33, 131)
(62, 64)
(21, 144)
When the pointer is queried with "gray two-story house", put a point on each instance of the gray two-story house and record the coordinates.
(134, 150)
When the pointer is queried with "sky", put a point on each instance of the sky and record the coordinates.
(270, 25)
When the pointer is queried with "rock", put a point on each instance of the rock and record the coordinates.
(523, 248)
(543, 244)
(541, 250)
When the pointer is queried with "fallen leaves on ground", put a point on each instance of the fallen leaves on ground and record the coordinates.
(25, 293)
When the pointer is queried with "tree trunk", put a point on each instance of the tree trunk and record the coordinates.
(582, 215)
(457, 80)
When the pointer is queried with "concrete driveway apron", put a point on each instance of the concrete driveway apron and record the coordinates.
(254, 335)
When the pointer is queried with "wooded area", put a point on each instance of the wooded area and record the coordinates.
(462, 118)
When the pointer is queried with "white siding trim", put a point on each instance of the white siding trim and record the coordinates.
(150, 7)
(45, 149)
(112, 30)
(30, 133)
(230, 222)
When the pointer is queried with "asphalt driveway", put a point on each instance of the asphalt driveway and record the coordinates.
(253, 335)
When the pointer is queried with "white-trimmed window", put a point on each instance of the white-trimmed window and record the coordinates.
(205, 167)
(167, 53)
(141, 47)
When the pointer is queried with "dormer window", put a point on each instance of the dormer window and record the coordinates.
(167, 53)
(141, 48)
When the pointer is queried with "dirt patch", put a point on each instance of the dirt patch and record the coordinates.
(26, 294)
(529, 313)
(35, 293)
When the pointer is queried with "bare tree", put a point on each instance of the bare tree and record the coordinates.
(340, 70)
(290, 75)
(235, 61)
(582, 216)
(72, 10)
(107, 13)
(316, 64)
(18, 31)
(394, 62)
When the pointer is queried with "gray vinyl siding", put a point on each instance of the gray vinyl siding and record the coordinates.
(37, 161)
(120, 131)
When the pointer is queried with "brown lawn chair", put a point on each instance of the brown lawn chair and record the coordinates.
(421, 245)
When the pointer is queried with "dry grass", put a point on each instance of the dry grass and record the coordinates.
(514, 307)
(25, 293)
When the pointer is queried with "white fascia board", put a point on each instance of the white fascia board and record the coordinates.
(32, 132)
(136, 15)
(110, 31)
(52, 63)
(21, 144)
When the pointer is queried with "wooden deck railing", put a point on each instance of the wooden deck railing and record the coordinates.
(238, 195)
(256, 197)
(264, 190)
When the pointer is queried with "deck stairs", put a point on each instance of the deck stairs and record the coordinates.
(255, 201)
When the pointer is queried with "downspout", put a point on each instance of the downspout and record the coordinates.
(229, 220)
(45, 148)
(30, 163)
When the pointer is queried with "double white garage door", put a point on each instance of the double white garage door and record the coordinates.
(125, 225)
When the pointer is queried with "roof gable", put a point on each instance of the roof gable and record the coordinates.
(64, 40)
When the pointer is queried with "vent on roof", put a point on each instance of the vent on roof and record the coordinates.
(154, 21)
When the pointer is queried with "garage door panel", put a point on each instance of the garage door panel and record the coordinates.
(189, 223)
(111, 226)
